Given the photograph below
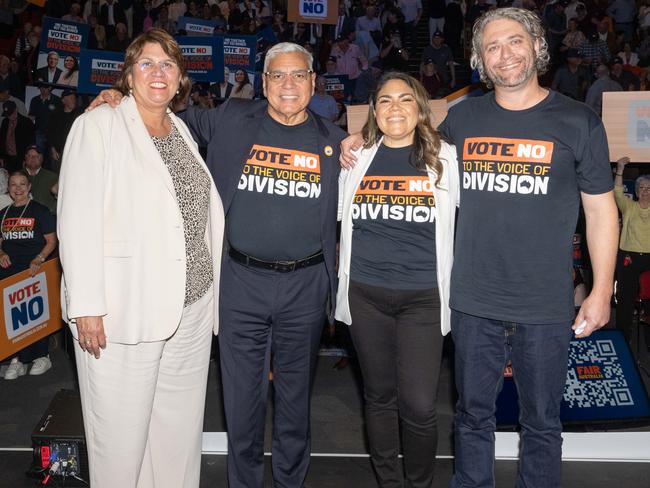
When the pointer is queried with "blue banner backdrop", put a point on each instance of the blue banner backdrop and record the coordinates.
(203, 57)
(99, 70)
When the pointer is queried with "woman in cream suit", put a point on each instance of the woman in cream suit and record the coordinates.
(141, 228)
(397, 208)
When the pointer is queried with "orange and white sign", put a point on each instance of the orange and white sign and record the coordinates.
(31, 308)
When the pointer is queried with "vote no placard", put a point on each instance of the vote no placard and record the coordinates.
(30, 307)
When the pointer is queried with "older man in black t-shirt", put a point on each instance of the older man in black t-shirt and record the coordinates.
(276, 168)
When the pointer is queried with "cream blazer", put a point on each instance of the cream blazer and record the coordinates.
(121, 238)
(446, 196)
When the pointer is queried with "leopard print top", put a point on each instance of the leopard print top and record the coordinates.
(192, 186)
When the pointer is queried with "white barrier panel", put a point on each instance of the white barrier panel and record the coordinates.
(631, 447)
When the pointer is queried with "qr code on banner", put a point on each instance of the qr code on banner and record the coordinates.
(595, 377)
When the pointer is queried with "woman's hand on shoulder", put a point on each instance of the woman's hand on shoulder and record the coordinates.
(5, 261)
(110, 96)
(90, 333)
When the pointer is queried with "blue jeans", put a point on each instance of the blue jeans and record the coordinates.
(539, 355)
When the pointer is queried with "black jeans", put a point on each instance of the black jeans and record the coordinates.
(399, 345)
(629, 267)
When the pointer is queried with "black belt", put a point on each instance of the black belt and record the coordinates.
(279, 266)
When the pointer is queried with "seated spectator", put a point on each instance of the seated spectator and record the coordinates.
(572, 78)
(41, 108)
(74, 15)
(443, 59)
(412, 11)
(602, 84)
(91, 8)
(454, 25)
(629, 57)
(594, 52)
(393, 54)
(475, 11)
(120, 41)
(9, 79)
(96, 34)
(22, 44)
(393, 22)
(342, 117)
(280, 27)
(16, 134)
(263, 12)
(164, 22)
(366, 41)
(243, 87)
(606, 35)
(22, 251)
(110, 15)
(321, 103)
(623, 12)
(5, 198)
(193, 10)
(367, 83)
(643, 50)
(5, 95)
(430, 79)
(330, 66)
(29, 59)
(41, 180)
(556, 26)
(350, 60)
(370, 24)
(58, 133)
(628, 80)
(644, 16)
(573, 38)
(176, 9)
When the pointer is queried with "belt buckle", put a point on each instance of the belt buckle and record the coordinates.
(284, 266)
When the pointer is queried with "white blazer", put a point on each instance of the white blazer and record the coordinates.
(121, 238)
(446, 195)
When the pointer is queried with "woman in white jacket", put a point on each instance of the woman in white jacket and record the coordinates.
(397, 208)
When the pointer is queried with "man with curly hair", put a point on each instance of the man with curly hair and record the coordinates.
(529, 157)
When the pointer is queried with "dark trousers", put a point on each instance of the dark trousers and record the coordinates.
(629, 266)
(34, 351)
(264, 313)
(539, 355)
(397, 337)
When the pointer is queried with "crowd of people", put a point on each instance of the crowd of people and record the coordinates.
(142, 309)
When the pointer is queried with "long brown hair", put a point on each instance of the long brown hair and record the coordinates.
(426, 139)
(171, 49)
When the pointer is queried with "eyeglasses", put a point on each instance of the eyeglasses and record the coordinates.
(147, 65)
(298, 76)
(644, 188)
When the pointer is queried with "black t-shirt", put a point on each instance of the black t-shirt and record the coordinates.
(275, 214)
(521, 175)
(23, 236)
(393, 237)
